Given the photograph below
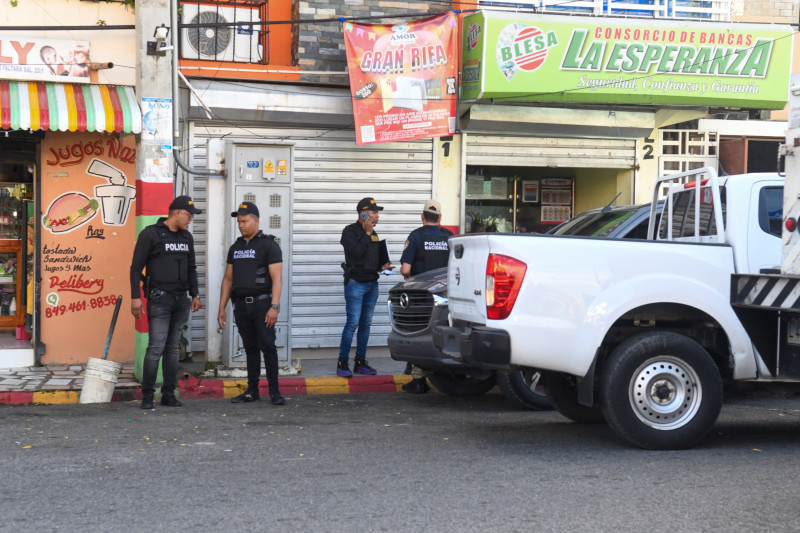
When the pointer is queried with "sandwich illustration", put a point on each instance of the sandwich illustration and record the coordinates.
(69, 211)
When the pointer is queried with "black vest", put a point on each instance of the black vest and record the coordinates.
(434, 253)
(169, 262)
(250, 269)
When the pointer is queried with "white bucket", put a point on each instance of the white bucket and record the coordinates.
(99, 380)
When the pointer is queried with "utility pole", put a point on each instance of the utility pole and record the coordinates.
(154, 164)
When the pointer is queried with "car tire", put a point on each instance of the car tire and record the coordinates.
(461, 385)
(524, 389)
(562, 393)
(661, 390)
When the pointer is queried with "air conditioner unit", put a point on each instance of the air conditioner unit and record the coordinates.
(220, 43)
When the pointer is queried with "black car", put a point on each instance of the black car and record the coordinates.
(421, 301)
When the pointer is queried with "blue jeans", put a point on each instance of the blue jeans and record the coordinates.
(360, 300)
(166, 316)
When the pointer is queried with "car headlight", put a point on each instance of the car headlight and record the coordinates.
(439, 301)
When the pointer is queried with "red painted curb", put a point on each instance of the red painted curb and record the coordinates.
(193, 388)
(16, 398)
(372, 384)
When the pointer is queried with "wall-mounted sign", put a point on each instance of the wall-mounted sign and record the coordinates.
(403, 78)
(86, 244)
(25, 58)
(625, 61)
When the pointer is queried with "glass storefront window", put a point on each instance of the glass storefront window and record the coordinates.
(12, 209)
(509, 200)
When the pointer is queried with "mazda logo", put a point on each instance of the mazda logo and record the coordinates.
(404, 300)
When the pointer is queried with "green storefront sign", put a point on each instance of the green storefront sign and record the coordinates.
(538, 58)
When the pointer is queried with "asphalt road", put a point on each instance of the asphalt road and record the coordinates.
(387, 462)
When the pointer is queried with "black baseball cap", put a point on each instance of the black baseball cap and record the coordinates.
(186, 203)
(368, 204)
(246, 208)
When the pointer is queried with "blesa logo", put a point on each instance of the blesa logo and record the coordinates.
(401, 36)
(472, 36)
(529, 49)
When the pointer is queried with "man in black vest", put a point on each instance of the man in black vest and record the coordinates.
(253, 281)
(166, 248)
(426, 249)
(363, 258)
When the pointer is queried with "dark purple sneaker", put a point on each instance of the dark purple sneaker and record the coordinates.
(361, 367)
(342, 370)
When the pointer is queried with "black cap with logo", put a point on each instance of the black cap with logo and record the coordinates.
(368, 204)
(186, 203)
(246, 208)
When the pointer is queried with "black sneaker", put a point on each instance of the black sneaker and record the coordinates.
(170, 401)
(407, 371)
(249, 396)
(361, 367)
(277, 399)
(416, 386)
(342, 370)
(147, 402)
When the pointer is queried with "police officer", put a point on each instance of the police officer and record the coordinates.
(365, 256)
(426, 249)
(253, 281)
(166, 248)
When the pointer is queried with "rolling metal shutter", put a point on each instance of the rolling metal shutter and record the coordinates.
(549, 152)
(331, 174)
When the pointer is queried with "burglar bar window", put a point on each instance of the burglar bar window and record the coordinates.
(224, 31)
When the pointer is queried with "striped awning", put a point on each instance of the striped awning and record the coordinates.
(68, 107)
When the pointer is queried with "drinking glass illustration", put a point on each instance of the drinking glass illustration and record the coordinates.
(115, 198)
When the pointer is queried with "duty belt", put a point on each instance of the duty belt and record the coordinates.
(251, 299)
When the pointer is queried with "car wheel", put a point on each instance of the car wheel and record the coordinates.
(562, 392)
(661, 390)
(461, 385)
(524, 389)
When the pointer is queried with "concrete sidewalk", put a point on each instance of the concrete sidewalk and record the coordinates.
(63, 384)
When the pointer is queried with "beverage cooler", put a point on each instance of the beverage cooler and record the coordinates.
(15, 267)
(505, 200)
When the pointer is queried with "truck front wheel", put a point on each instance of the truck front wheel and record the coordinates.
(562, 392)
(661, 390)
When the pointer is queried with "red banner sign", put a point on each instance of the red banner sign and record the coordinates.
(403, 78)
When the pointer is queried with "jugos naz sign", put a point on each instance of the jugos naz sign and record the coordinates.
(576, 59)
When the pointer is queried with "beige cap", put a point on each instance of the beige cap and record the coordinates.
(432, 206)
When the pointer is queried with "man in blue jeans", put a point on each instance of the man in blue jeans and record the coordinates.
(362, 253)
(166, 248)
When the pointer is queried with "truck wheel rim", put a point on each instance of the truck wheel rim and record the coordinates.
(665, 393)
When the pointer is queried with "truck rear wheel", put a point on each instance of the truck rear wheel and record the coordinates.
(461, 385)
(661, 390)
(524, 388)
(562, 392)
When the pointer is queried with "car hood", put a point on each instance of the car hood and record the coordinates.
(434, 281)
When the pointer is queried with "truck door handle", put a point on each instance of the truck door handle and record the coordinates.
(459, 250)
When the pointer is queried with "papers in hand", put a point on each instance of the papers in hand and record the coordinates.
(385, 258)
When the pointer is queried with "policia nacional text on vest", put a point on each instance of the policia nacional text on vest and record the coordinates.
(434, 252)
(250, 268)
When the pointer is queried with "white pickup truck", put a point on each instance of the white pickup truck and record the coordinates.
(637, 333)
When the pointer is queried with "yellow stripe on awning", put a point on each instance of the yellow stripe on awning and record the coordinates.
(68, 107)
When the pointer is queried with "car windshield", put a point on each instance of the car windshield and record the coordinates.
(596, 223)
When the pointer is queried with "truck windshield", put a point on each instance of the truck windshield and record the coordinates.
(595, 224)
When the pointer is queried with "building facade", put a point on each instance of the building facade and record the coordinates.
(68, 119)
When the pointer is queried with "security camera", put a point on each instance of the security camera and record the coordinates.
(161, 33)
